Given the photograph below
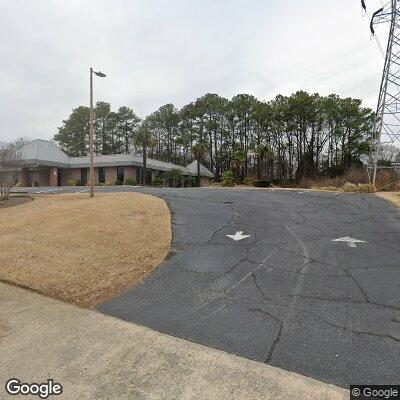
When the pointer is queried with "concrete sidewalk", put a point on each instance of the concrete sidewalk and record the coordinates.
(99, 357)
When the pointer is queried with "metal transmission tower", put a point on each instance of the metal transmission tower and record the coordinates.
(387, 123)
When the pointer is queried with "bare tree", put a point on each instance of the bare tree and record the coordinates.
(10, 164)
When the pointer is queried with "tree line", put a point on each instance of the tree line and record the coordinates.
(291, 137)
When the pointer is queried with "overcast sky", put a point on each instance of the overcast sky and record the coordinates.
(157, 51)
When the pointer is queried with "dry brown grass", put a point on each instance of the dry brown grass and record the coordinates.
(353, 175)
(386, 180)
(83, 250)
(393, 197)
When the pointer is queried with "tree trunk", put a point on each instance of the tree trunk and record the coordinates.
(144, 177)
(198, 173)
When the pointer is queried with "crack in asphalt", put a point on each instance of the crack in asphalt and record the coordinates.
(291, 308)
(235, 215)
(277, 337)
(271, 351)
(374, 267)
(259, 288)
(362, 291)
(357, 332)
(260, 265)
(339, 300)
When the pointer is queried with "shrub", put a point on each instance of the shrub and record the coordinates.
(228, 179)
(79, 183)
(176, 176)
(286, 183)
(158, 182)
(349, 187)
(262, 183)
(248, 181)
(356, 175)
(72, 182)
(190, 181)
(130, 181)
(118, 183)
(305, 183)
(365, 188)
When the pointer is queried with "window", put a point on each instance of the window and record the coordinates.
(120, 174)
(102, 175)
(84, 175)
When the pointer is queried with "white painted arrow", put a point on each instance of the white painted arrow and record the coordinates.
(238, 236)
(351, 242)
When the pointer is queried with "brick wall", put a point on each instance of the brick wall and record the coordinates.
(111, 175)
(41, 177)
(204, 181)
(130, 172)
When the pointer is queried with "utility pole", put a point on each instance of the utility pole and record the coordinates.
(91, 169)
(387, 123)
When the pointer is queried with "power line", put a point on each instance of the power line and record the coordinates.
(375, 35)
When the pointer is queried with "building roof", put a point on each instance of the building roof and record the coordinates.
(44, 153)
(192, 168)
(102, 160)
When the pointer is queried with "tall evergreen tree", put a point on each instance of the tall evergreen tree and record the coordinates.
(128, 123)
(73, 134)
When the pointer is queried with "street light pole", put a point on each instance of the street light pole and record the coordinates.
(91, 172)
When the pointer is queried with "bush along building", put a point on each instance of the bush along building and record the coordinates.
(44, 164)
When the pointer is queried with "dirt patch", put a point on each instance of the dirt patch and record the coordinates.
(393, 197)
(15, 201)
(83, 250)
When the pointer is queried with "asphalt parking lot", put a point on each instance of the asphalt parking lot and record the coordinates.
(305, 281)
